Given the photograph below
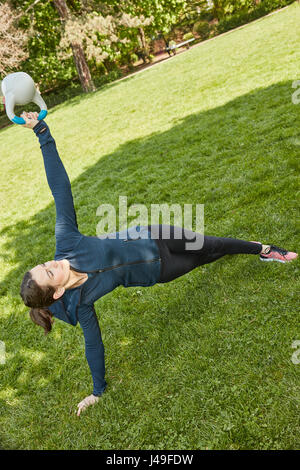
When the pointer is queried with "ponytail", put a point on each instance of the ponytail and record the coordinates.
(42, 317)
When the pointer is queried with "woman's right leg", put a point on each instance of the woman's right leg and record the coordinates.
(180, 240)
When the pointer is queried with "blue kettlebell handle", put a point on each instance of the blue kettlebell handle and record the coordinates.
(21, 121)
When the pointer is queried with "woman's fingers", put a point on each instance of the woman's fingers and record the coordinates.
(80, 408)
(30, 115)
(24, 116)
(90, 400)
(30, 119)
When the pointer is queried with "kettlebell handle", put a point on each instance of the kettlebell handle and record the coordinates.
(19, 120)
(10, 104)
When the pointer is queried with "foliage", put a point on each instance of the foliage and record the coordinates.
(234, 14)
(225, 8)
(101, 37)
(43, 63)
(188, 36)
(203, 29)
(164, 13)
(13, 40)
(111, 31)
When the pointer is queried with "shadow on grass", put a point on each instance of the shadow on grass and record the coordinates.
(240, 160)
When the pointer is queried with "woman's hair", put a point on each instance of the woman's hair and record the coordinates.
(34, 295)
(42, 317)
(38, 298)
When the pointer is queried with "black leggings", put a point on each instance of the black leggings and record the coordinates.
(177, 260)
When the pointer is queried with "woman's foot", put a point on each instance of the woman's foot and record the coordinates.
(274, 253)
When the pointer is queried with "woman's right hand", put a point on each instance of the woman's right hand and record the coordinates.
(88, 401)
(31, 119)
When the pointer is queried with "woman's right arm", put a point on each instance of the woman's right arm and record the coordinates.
(94, 348)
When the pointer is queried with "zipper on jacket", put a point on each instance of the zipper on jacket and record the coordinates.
(119, 266)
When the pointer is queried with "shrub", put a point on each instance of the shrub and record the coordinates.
(203, 29)
(133, 58)
(206, 15)
(188, 36)
(98, 69)
(242, 17)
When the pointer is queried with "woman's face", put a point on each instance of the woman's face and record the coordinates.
(52, 273)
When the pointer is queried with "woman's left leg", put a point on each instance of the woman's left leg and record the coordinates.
(178, 258)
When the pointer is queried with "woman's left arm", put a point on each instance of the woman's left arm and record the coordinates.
(94, 351)
(66, 228)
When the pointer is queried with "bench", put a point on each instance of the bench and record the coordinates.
(176, 46)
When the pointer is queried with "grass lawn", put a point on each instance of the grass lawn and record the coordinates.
(203, 362)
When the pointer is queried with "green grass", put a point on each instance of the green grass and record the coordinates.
(203, 362)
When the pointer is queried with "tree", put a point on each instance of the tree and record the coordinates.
(191, 14)
(42, 18)
(103, 38)
(222, 8)
(78, 54)
(13, 40)
(163, 14)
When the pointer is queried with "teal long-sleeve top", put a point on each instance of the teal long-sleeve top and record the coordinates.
(128, 258)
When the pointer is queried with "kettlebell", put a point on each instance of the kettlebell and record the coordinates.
(18, 89)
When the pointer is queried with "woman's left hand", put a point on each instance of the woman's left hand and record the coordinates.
(31, 119)
(88, 401)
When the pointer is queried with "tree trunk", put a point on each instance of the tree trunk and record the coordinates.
(218, 10)
(78, 53)
(144, 45)
(82, 68)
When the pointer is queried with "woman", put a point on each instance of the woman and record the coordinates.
(86, 268)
